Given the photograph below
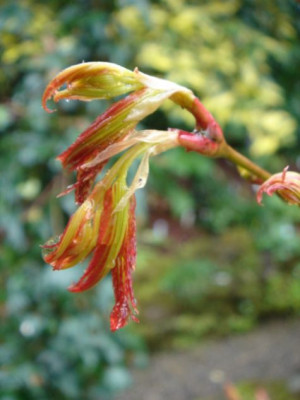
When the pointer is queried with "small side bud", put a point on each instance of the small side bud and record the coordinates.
(285, 183)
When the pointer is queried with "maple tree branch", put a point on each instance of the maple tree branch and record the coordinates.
(239, 159)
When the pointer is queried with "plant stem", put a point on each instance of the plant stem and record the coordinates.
(213, 143)
(237, 158)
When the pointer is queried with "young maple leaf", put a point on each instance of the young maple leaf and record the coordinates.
(103, 227)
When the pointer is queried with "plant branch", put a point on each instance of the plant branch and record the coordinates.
(239, 159)
(209, 140)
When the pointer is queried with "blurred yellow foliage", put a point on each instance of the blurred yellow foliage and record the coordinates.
(270, 129)
(207, 47)
(29, 44)
(186, 22)
(222, 8)
(159, 17)
(155, 56)
(131, 19)
(25, 48)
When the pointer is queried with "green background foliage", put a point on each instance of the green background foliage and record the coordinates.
(207, 251)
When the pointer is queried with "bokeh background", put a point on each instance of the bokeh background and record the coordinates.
(211, 262)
